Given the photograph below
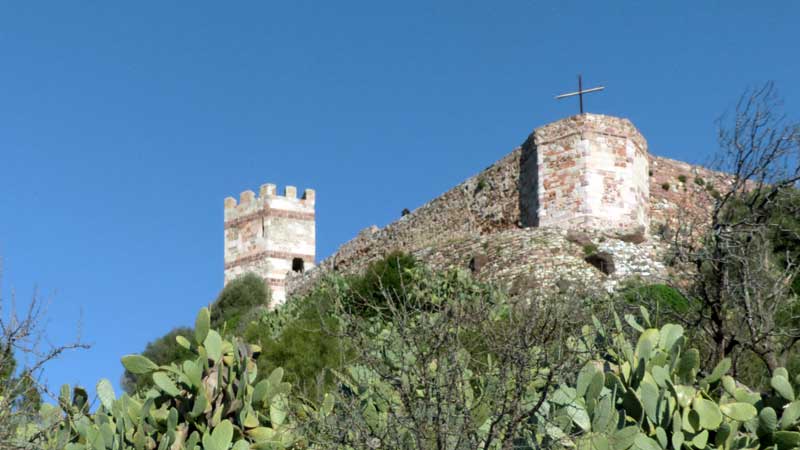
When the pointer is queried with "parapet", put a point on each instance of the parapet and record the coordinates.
(588, 124)
(269, 199)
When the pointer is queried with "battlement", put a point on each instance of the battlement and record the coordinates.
(270, 235)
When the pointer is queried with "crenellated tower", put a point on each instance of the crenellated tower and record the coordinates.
(270, 235)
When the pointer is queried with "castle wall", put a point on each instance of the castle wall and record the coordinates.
(682, 195)
(592, 173)
(264, 234)
(586, 172)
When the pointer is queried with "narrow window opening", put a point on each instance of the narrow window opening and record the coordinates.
(297, 265)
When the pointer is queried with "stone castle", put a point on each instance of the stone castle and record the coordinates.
(581, 201)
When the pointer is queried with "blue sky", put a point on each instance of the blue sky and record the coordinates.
(123, 126)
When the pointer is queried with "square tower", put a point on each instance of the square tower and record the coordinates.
(270, 235)
(588, 171)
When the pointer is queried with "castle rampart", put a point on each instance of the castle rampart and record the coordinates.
(270, 235)
(589, 173)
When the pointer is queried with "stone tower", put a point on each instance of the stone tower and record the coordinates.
(587, 171)
(270, 235)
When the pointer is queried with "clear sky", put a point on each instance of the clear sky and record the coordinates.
(123, 126)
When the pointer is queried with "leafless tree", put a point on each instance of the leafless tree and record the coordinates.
(24, 353)
(447, 363)
(742, 290)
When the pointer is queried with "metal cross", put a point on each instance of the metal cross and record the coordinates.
(580, 92)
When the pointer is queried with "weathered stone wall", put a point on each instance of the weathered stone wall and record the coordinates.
(265, 235)
(598, 165)
(483, 204)
(682, 195)
(591, 173)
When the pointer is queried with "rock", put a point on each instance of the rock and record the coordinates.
(477, 262)
(579, 237)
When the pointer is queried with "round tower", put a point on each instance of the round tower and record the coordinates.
(587, 171)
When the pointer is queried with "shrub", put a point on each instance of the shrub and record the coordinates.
(300, 336)
(589, 249)
(699, 181)
(481, 185)
(386, 276)
(665, 186)
(237, 298)
(661, 296)
(682, 178)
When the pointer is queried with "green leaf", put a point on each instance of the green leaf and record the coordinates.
(213, 345)
(688, 365)
(106, 393)
(669, 335)
(183, 342)
(201, 325)
(768, 419)
(632, 322)
(165, 383)
(327, 405)
(642, 442)
(647, 342)
(278, 410)
(685, 394)
(700, 440)
(721, 369)
(739, 411)
(782, 387)
(710, 415)
(275, 377)
(790, 415)
(729, 384)
(624, 438)
(645, 315)
(786, 439)
(138, 364)
(220, 438)
(241, 444)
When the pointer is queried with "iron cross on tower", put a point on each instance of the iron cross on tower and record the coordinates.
(580, 92)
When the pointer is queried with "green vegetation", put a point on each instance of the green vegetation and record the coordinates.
(210, 399)
(481, 185)
(682, 178)
(589, 249)
(665, 186)
(163, 350)
(238, 299)
(659, 297)
(699, 181)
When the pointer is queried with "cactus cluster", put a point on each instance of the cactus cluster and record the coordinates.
(211, 402)
(650, 397)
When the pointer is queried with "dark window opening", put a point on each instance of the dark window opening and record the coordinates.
(297, 264)
(602, 261)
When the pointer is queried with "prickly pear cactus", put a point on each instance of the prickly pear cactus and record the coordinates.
(648, 396)
(208, 403)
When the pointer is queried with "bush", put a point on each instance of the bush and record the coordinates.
(388, 276)
(237, 299)
(658, 295)
(682, 178)
(300, 336)
(665, 186)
